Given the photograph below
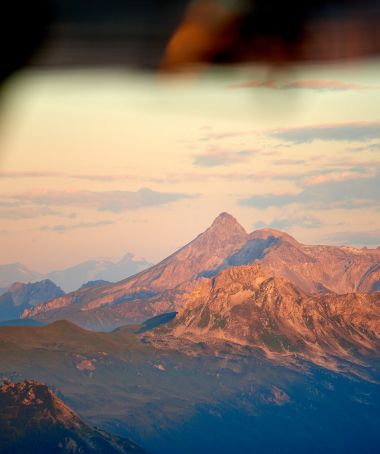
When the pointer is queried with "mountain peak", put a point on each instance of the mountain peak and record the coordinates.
(268, 232)
(226, 220)
(16, 286)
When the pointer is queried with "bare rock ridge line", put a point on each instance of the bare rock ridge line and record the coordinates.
(246, 305)
(37, 421)
(225, 244)
(206, 251)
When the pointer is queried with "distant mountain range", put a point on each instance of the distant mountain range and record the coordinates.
(166, 286)
(72, 278)
(21, 297)
(16, 272)
(258, 343)
(36, 421)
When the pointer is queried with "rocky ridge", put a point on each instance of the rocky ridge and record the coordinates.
(35, 420)
(161, 288)
(248, 306)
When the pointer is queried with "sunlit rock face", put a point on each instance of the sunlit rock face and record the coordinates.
(246, 305)
(225, 244)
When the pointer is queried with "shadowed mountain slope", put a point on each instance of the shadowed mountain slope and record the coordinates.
(34, 420)
(161, 288)
(20, 297)
(192, 394)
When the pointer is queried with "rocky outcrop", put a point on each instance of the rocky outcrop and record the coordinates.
(315, 268)
(96, 283)
(34, 420)
(248, 306)
(325, 268)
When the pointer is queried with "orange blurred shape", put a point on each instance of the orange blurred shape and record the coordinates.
(206, 30)
(221, 31)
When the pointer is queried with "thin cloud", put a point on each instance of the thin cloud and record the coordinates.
(222, 158)
(289, 162)
(31, 213)
(272, 84)
(358, 238)
(366, 147)
(348, 194)
(307, 222)
(345, 175)
(223, 135)
(103, 177)
(263, 201)
(62, 228)
(326, 85)
(308, 84)
(43, 174)
(113, 201)
(14, 174)
(297, 174)
(356, 131)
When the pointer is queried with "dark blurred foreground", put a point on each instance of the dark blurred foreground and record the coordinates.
(176, 34)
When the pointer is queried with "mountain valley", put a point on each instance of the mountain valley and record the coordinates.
(163, 394)
(231, 339)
